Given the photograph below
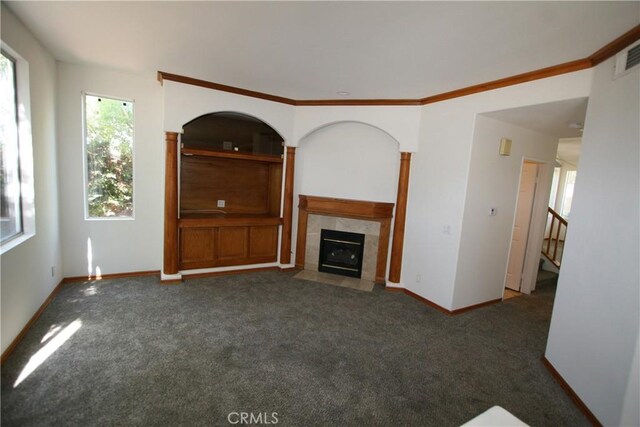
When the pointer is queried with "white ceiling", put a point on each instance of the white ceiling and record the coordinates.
(554, 118)
(311, 50)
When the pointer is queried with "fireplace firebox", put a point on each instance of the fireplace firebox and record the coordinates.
(341, 253)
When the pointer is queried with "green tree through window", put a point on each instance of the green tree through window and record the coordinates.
(109, 151)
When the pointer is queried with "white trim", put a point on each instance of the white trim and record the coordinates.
(85, 180)
(25, 147)
(394, 285)
(170, 276)
(187, 273)
(286, 266)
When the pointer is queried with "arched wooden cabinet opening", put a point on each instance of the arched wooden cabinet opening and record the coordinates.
(230, 191)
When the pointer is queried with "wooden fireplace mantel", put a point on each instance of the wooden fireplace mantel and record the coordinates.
(346, 208)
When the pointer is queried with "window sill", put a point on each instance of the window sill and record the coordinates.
(7, 246)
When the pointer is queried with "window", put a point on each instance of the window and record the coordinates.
(17, 208)
(11, 206)
(108, 145)
(567, 196)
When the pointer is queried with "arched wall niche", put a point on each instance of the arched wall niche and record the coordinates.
(350, 160)
(338, 122)
(402, 124)
(232, 131)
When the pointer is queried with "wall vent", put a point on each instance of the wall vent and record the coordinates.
(627, 59)
(633, 57)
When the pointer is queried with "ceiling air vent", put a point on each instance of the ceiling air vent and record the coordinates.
(627, 59)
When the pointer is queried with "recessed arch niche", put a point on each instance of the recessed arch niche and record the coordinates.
(348, 159)
(243, 133)
(230, 180)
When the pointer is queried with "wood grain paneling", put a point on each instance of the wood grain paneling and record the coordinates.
(232, 155)
(287, 211)
(275, 189)
(233, 243)
(301, 241)
(383, 250)
(242, 184)
(170, 252)
(397, 247)
(346, 207)
(263, 242)
(199, 220)
(224, 88)
(356, 102)
(542, 73)
(197, 244)
(243, 134)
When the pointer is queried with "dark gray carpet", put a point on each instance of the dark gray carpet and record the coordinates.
(264, 342)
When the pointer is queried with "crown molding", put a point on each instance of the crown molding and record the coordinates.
(615, 46)
(590, 61)
(162, 76)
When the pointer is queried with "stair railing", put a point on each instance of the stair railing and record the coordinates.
(557, 230)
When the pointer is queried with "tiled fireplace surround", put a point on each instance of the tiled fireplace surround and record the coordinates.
(373, 219)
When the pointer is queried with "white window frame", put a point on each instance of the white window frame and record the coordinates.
(25, 150)
(85, 171)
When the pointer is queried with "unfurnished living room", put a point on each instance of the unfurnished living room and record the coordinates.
(320, 213)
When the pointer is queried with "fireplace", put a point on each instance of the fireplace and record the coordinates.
(372, 219)
(341, 253)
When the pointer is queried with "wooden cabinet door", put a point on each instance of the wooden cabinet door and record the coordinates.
(197, 247)
(233, 245)
(263, 243)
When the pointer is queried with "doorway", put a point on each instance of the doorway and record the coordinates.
(522, 225)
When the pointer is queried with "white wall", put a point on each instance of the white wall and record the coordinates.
(26, 269)
(117, 245)
(439, 176)
(594, 332)
(493, 182)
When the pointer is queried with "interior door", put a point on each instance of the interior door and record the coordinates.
(520, 234)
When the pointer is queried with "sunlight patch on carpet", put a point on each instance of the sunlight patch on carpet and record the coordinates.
(46, 351)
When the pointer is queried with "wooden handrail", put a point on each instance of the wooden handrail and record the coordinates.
(557, 215)
(554, 234)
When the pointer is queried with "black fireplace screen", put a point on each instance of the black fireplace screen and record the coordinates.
(341, 253)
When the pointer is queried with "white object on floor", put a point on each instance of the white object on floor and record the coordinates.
(495, 417)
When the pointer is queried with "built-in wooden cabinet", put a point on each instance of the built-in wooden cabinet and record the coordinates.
(230, 192)
(223, 245)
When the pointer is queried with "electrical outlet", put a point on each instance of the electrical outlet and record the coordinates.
(493, 211)
(221, 203)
